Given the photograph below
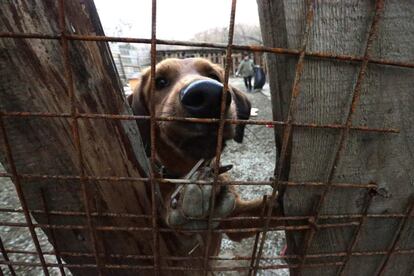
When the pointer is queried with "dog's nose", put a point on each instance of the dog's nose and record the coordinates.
(202, 98)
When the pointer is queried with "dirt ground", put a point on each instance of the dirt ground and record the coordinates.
(252, 160)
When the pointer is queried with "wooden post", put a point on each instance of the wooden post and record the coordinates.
(326, 88)
(33, 79)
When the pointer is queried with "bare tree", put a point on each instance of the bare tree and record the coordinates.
(243, 34)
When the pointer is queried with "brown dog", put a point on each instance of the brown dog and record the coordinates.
(192, 88)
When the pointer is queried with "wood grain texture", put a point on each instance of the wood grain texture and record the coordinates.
(387, 98)
(32, 79)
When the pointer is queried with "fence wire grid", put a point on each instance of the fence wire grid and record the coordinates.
(313, 223)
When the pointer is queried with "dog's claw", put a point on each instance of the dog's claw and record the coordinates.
(225, 168)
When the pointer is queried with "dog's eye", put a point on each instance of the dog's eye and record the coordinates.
(214, 77)
(161, 82)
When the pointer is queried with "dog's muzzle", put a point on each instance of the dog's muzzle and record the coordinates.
(202, 98)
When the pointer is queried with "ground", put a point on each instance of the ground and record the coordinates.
(252, 160)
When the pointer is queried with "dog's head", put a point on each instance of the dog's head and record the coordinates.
(188, 88)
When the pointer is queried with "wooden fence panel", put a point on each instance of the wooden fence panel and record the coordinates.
(326, 87)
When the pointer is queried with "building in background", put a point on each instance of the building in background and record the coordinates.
(129, 60)
(217, 56)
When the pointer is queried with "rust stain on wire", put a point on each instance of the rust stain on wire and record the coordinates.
(171, 268)
(215, 258)
(168, 268)
(194, 120)
(396, 238)
(52, 232)
(20, 194)
(4, 252)
(287, 132)
(257, 238)
(220, 134)
(344, 132)
(155, 233)
(278, 218)
(355, 239)
(199, 182)
(169, 230)
(252, 48)
(75, 131)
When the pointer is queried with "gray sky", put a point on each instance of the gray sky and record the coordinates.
(176, 19)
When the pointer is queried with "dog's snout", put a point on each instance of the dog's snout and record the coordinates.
(202, 98)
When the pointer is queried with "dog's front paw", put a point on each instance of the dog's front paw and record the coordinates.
(190, 208)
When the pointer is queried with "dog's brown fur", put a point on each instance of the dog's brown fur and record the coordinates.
(179, 145)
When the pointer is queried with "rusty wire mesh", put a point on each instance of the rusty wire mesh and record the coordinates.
(312, 223)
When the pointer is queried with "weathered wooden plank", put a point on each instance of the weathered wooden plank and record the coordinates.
(32, 80)
(386, 159)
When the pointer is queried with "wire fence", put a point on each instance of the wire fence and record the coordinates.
(310, 224)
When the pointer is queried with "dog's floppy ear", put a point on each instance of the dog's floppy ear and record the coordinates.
(243, 107)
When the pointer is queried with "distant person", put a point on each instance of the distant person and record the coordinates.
(246, 70)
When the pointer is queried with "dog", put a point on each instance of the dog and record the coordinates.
(192, 88)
